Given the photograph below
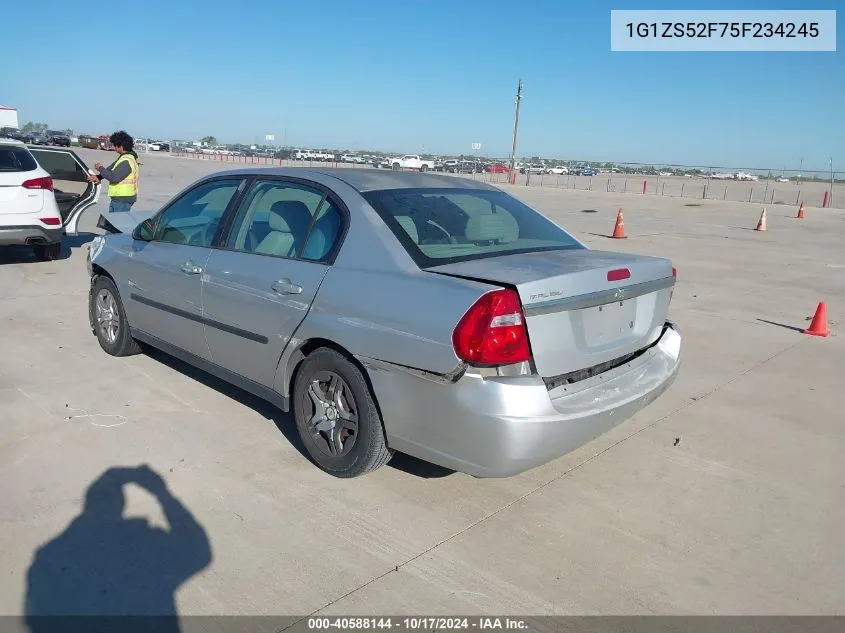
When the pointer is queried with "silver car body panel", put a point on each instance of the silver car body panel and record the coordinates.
(397, 321)
(498, 427)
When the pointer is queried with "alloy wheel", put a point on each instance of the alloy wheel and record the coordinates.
(333, 421)
(107, 315)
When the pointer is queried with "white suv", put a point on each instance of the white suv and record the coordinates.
(33, 210)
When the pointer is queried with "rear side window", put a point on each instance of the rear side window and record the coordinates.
(287, 219)
(442, 226)
(60, 165)
(16, 158)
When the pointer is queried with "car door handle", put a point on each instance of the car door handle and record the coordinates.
(286, 287)
(190, 268)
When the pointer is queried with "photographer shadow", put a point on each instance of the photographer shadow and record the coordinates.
(105, 564)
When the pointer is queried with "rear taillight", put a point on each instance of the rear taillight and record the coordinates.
(38, 183)
(51, 221)
(619, 274)
(492, 332)
(675, 277)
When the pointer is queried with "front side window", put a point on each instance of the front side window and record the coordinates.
(194, 218)
(442, 226)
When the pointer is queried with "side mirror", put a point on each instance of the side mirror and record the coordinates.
(144, 231)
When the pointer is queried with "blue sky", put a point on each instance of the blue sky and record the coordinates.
(425, 75)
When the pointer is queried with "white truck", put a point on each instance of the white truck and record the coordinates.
(411, 161)
(741, 175)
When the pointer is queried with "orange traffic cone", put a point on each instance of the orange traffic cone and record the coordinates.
(761, 225)
(800, 215)
(818, 327)
(619, 229)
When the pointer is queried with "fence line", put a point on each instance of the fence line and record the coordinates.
(811, 193)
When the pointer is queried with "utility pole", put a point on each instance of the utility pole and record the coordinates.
(515, 126)
(830, 195)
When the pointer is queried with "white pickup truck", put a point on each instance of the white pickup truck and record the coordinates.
(741, 175)
(411, 161)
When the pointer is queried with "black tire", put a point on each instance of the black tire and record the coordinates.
(396, 166)
(368, 450)
(122, 343)
(47, 252)
(424, 168)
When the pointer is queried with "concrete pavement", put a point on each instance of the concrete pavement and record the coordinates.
(724, 496)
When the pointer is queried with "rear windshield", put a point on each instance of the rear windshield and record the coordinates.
(443, 226)
(16, 158)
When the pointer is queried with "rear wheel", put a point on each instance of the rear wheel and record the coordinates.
(396, 166)
(109, 319)
(337, 417)
(47, 252)
(424, 168)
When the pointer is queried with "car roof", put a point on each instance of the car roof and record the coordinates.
(381, 179)
(11, 141)
(364, 180)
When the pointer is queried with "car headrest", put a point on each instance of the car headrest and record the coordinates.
(485, 227)
(290, 216)
(407, 223)
(323, 236)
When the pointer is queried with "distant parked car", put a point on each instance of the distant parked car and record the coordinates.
(412, 161)
(391, 311)
(535, 168)
(60, 140)
(467, 167)
(782, 179)
(497, 168)
(16, 134)
(589, 171)
(558, 170)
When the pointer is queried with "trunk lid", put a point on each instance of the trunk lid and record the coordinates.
(16, 199)
(72, 190)
(577, 315)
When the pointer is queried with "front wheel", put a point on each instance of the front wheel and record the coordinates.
(396, 166)
(109, 319)
(337, 417)
(424, 168)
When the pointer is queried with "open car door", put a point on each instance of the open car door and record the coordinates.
(74, 193)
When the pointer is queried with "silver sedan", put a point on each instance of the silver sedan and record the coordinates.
(391, 311)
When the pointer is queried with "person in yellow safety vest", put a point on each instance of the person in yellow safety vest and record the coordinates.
(123, 174)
